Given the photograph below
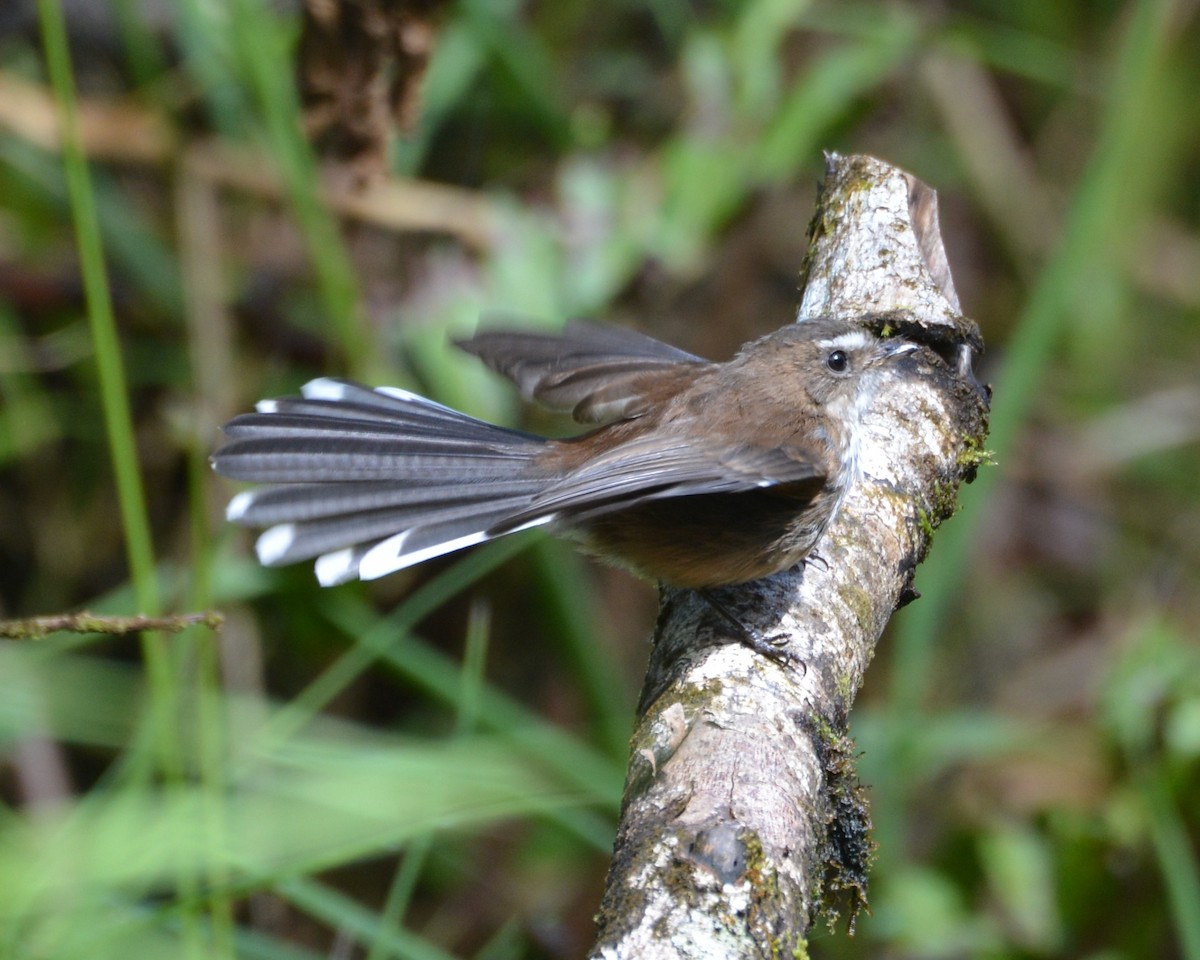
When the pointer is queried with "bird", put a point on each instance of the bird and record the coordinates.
(695, 474)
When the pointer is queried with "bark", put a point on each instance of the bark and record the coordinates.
(742, 817)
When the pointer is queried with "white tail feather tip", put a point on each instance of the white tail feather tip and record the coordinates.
(239, 505)
(274, 543)
(337, 567)
(535, 522)
(389, 556)
(323, 388)
(399, 393)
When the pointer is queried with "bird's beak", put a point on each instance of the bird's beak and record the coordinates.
(897, 347)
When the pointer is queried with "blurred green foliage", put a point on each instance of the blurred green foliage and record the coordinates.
(333, 774)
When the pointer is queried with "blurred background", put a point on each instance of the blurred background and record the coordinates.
(430, 766)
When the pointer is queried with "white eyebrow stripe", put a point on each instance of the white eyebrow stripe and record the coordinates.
(852, 340)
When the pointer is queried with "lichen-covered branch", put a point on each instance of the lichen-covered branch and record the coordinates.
(742, 817)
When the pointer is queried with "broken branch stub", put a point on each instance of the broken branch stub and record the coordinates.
(742, 817)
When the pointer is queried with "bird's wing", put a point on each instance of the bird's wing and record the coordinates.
(597, 373)
(645, 469)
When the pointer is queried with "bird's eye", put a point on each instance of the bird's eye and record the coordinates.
(837, 361)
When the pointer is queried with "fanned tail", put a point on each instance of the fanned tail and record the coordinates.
(372, 481)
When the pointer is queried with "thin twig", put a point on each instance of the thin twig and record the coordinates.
(35, 628)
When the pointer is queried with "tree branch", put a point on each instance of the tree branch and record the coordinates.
(742, 816)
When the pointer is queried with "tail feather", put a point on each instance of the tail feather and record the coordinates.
(288, 424)
(372, 481)
(369, 561)
(270, 460)
(425, 525)
(419, 436)
(302, 502)
(377, 558)
(380, 401)
(408, 417)
(430, 540)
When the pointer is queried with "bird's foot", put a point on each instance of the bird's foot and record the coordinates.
(771, 646)
(815, 559)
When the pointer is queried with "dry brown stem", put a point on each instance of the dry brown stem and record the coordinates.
(118, 132)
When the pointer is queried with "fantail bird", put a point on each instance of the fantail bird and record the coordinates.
(704, 474)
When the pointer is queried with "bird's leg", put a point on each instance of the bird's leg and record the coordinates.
(760, 643)
(815, 558)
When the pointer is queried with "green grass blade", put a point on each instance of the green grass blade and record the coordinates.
(1177, 861)
(261, 42)
(343, 914)
(436, 674)
(411, 867)
(374, 642)
(117, 418)
(572, 616)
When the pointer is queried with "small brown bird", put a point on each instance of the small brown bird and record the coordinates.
(704, 474)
